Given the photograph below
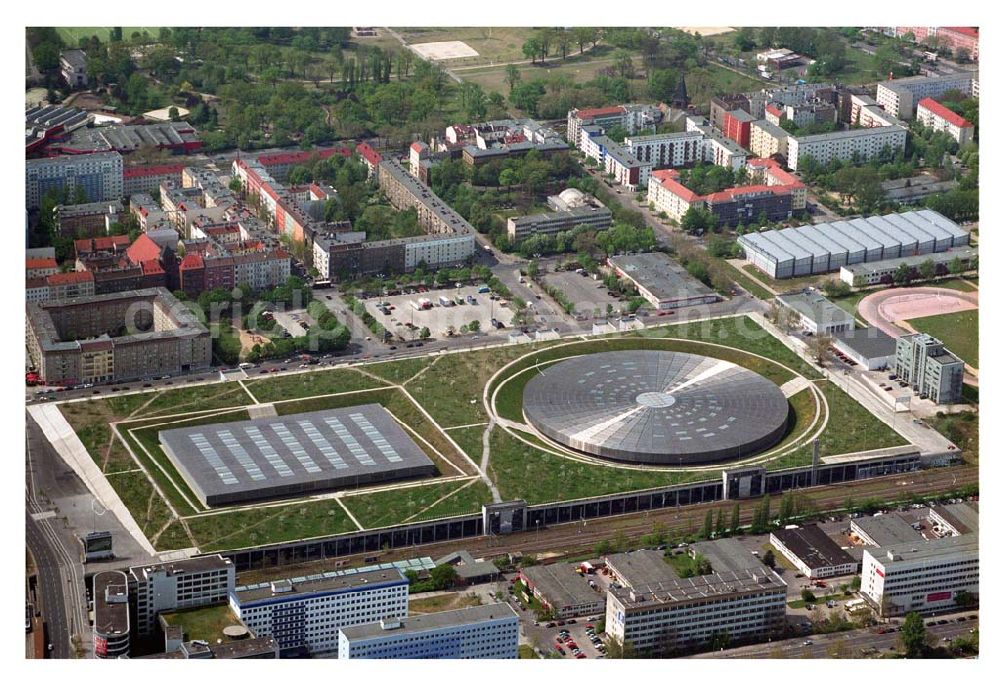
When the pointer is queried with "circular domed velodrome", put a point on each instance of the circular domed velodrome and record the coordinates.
(658, 407)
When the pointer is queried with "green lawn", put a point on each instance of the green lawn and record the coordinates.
(470, 439)
(852, 427)
(958, 331)
(382, 509)
(173, 538)
(71, 35)
(146, 506)
(963, 430)
(323, 382)
(196, 399)
(803, 406)
(258, 526)
(206, 623)
(753, 287)
(397, 371)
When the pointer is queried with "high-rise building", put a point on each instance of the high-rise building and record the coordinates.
(198, 581)
(99, 175)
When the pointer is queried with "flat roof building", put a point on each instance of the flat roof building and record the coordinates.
(489, 631)
(930, 368)
(813, 553)
(562, 590)
(570, 209)
(298, 453)
(956, 519)
(111, 615)
(900, 96)
(880, 272)
(305, 614)
(183, 584)
(883, 531)
(922, 576)
(639, 567)
(870, 347)
(661, 281)
(866, 143)
(99, 175)
(816, 313)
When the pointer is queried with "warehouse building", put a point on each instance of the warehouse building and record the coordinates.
(870, 347)
(661, 281)
(883, 531)
(826, 247)
(930, 368)
(813, 553)
(299, 453)
(816, 313)
(956, 519)
(861, 275)
(562, 590)
(921, 576)
(305, 614)
(489, 631)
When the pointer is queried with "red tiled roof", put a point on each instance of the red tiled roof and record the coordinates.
(962, 30)
(152, 267)
(731, 193)
(773, 110)
(943, 112)
(417, 146)
(301, 156)
(598, 112)
(151, 170)
(775, 170)
(369, 153)
(668, 178)
(143, 249)
(33, 264)
(70, 278)
(192, 261)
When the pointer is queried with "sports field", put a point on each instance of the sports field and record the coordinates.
(958, 331)
(439, 401)
(71, 35)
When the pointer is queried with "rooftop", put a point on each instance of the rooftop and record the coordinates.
(699, 588)
(886, 530)
(640, 567)
(193, 565)
(962, 517)
(318, 583)
(869, 342)
(466, 565)
(111, 603)
(943, 112)
(850, 133)
(815, 307)
(915, 551)
(428, 622)
(811, 545)
(560, 585)
(727, 554)
(660, 276)
(205, 623)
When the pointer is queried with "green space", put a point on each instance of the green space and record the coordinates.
(397, 371)
(312, 383)
(470, 439)
(850, 302)
(962, 429)
(414, 504)
(492, 43)
(444, 602)
(145, 505)
(851, 426)
(753, 287)
(205, 623)
(687, 566)
(196, 399)
(803, 406)
(958, 331)
(174, 537)
(72, 35)
(117, 459)
(258, 526)
(520, 471)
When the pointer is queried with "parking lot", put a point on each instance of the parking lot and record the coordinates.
(585, 293)
(290, 321)
(439, 318)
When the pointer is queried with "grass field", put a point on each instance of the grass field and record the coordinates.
(958, 331)
(206, 623)
(852, 427)
(580, 68)
(470, 439)
(417, 504)
(257, 526)
(963, 430)
(495, 44)
(444, 602)
(326, 382)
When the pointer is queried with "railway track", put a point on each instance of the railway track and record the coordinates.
(581, 538)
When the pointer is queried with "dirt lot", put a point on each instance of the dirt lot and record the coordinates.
(440, 318)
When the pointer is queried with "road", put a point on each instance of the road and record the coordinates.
(849, 644)
(57, 560)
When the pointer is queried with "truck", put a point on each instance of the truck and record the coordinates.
(445, 302)
(416, 306)
(425, 303)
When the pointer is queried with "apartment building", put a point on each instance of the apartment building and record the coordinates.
(929, 368)
(631, 117)
(863, 144)
(768, 140)
(900, 97)
(73, 67)
(922, 576)
(732, 206)
(570, 209)
(147, 178)
(40, 268)
(99, 175)
(91, 219)
(942, 119)
(489, 631)
(305, 614)
(194, 582)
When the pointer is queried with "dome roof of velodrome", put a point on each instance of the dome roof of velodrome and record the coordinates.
(656, 407)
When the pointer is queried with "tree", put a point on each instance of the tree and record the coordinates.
(964, 598)
(819, 348)
(425, 333)
(856, 583)
(474, 326)
(443, 576)
(734, 520)
(768, 558)
(532, 49)
(720, 523)
(512, 76)
(808, 597)
(913, 635)
(787, 508)
(902, 275)
(927, 269)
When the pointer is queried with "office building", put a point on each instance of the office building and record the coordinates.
(930, 368)
(900, 97)
(812, 552)
(305, 614)
(816, 314)
(921, 576)
(826, 247)
(660, 614)
(570, 209)
(883, 531)
(111, 615)
(942, 119)
(199, 581)
(99, 175)
(661, 281)
(486, 632)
